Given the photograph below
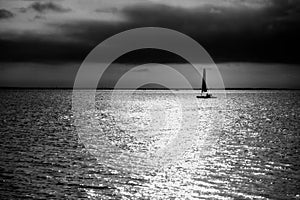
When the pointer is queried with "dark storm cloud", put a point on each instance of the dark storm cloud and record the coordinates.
(5, 14)
(33, 49)
(107, 10)
(232, 34)
(85, 36)
(48, 6)
(267, 34)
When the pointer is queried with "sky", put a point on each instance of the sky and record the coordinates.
(254, 42)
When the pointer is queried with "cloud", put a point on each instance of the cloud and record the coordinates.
(48, 6)
(31, 48)
(40, 17)
(233, 33)
(107, 10)
(266, 32)
(240, 33)
(6, 14)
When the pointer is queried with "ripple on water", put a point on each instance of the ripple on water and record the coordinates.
(252, 154)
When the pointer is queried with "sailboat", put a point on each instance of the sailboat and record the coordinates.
(204, 91)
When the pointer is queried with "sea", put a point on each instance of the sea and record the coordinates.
(149, 144)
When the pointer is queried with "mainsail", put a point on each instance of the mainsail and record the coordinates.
(204, 87)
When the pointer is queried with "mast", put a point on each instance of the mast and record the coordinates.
(204, 87)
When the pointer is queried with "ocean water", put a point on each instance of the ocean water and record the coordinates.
(150, 145)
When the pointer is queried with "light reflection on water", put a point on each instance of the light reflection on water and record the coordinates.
(252, 154)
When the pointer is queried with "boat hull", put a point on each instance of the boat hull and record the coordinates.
(208, 96)
(203, 97)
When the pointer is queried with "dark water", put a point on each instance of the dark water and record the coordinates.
(252, 154)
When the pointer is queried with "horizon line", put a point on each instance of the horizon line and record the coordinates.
(110, 88)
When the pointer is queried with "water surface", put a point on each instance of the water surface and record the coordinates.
(244, 146)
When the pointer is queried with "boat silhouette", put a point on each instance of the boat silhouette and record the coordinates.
(204, 90)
